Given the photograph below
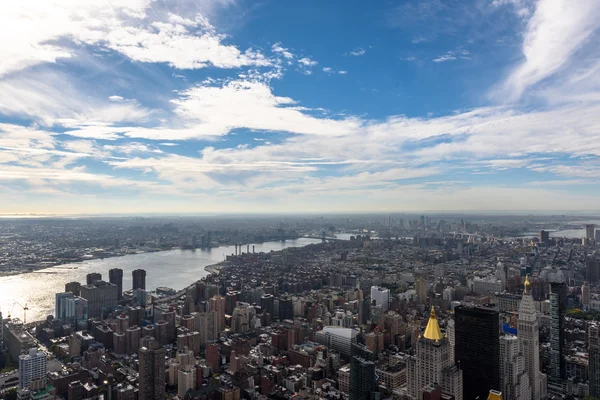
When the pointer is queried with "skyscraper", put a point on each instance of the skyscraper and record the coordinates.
(217, 303)
(544, 236)
(590, 231)
(152, 372)
(557, 372)
(432, 363)
(363, 381)
(514, 379)
(32, 367)
(286, 308)
(477, 349)
(115, 276)
(139, 279)
(594, 359)
(528, 330)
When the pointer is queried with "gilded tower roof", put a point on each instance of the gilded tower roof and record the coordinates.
(432, 332)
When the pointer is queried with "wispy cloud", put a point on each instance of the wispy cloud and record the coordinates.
(445, 57)
(307, 62)
(556, 30)
(277, 48)
(359, 51)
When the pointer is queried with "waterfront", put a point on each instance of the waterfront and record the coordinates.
(174, 268)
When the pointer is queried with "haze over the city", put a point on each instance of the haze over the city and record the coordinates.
(298, 106)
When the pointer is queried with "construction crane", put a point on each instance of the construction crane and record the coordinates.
(24, 307)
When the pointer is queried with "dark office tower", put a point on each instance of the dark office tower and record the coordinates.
(594, 360)
(592, 271)
(115, 276)
(364, 311)
(556, 372)
(544, 236)
(286, 308)
(363, 382)
(139, 279)
(267, 303)
(152, 372)
(93, 278)
(73, 287)
(477, 349)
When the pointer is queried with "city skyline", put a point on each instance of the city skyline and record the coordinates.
(228, 106)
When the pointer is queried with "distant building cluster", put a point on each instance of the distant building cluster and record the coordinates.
(451, 312)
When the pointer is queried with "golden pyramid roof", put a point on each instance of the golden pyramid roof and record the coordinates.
(495, 395)
(432, 332)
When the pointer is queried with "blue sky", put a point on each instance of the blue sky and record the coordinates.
(299, 106)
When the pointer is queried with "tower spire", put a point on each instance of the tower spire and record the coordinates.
(527, 284)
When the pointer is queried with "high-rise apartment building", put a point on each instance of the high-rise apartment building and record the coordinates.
(585, 295)
(514, 379)
(92, 278)
(32, 367)
(152, 372)
(432, 363)
(217, 303)
(528, 331)
(60, 305)
(544, 236)
(115, 276)
(73, 287)
(363, 381)
(477, 349)
(139, 279)
(207, 326)
(100, 296)
(421, 290)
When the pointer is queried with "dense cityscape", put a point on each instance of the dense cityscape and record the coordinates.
(379, 307)
(299, 200)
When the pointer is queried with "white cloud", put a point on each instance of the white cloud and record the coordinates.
(557, 29)
(307, 62)
(276, 48)
(54, 98)
(359, 51)
(116, 98)
(445, 57)
(43, 31)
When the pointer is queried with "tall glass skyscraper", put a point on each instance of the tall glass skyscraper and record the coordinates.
(477, 350)
(557, 371)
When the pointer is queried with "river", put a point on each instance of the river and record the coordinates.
(173, 268)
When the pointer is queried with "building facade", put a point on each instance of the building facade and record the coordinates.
(432, 363)
(477, 349)
(528, 331)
